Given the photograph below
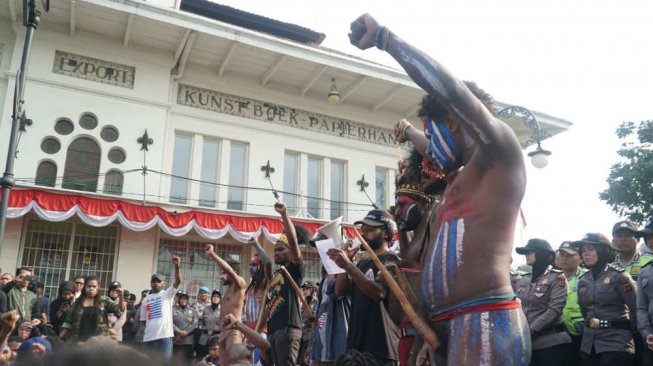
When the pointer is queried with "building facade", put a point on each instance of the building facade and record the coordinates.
(152, 127)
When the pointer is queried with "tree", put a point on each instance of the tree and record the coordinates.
(630, 183)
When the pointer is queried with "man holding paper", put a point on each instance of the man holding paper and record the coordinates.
(370, 327)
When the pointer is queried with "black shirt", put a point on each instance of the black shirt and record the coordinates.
(281, 301)
(370, 327)
(88, 323)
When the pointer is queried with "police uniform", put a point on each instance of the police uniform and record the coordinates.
(635, 264)
(645, 307)
(571, 313)
(184, 320)
(607, 304)
(542, 302)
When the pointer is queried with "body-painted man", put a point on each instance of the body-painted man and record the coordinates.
(418, 188)
(465, 284)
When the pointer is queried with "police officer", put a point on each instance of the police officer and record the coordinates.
(607, 299)
(184, 320)
(543, 294)
(645, 297)
(568, 260)
(212, 322)
(624, 242)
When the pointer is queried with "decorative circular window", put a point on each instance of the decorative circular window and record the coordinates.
(117, 156)
(50, 145)
(64, 127)
(109, 134)
(88, 121)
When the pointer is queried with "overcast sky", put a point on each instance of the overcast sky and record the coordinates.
(588, 62)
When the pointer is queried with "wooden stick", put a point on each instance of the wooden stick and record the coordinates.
(298, 292)
(424, 330)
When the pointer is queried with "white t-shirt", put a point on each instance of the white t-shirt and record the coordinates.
(157, 312)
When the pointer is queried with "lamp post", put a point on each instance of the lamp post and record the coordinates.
(539, 157)
(31, 19)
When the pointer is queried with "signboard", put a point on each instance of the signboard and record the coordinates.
(211, 100)
(93, 69)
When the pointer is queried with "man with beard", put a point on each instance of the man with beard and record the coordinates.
(470, 294)
(232, 302)
(282, 305)
(417, 188)
(371, 328)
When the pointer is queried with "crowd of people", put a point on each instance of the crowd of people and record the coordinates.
(428, 282)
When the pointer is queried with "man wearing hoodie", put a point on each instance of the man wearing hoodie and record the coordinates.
(60, 306)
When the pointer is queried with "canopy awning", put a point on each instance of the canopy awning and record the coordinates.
(95, 211)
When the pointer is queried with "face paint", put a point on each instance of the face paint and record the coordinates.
(410, 215)
(442, 148)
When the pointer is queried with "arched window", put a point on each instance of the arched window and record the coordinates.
(113, 182)
(46, 174)
(82, 165)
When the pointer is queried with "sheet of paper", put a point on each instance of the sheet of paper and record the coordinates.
(330, 266)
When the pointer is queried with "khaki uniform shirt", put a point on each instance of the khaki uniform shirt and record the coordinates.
(611, 297)
(542, 302)
(645, 301)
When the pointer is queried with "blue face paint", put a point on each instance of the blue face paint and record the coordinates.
(442, 148)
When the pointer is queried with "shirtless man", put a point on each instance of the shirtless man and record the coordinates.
(465, 284)
(232, 301)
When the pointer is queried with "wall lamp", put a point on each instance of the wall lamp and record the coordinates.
(333, 97)
(539, 157)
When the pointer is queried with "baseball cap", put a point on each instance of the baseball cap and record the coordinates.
(624, 225)
(375, 218)
(114, 285)
(308, 284)
(568, 248)
(157, 277)
(593, 239)
(647, 230)
(181, 293)
(204, 289)
(535, 244)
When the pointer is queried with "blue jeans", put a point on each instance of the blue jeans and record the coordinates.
(159, 347)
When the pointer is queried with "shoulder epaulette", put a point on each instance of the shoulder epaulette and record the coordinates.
(554, 270)
(616, 267)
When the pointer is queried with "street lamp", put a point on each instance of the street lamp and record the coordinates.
(539, 157)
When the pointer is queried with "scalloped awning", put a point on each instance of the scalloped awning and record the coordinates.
(93, 211)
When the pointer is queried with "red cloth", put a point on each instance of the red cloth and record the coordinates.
(501, 305)
(405, 344)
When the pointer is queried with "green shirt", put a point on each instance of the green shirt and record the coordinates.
(635, 264)
(571, 312)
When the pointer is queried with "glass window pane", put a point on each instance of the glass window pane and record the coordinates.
(381, 187)
(314, 187)
(46, 174)
(237, 169)
(82, 165)
(337, 189)
(290, 181)
(113, 182)
(180, 167)
(200, 269)
(210, 168)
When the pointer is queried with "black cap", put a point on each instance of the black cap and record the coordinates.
(308, 284)
(114, 285)
(181, 293)
(624, 225)
(157, 277)
(535, 244)
(216, 292)
(647, 230)
(593, 239)
(376, 218)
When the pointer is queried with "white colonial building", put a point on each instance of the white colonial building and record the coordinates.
(219, 94)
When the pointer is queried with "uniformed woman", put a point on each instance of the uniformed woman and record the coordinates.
(606, 295)
(543, 294)
(212, 322)
(184, 320)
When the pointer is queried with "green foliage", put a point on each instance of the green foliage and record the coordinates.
(630, 183)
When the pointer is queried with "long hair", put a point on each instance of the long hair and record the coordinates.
(258, 281)
(79, 303)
